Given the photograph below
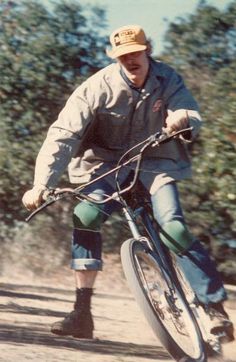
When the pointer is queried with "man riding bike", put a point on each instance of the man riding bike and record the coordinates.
(111, 111)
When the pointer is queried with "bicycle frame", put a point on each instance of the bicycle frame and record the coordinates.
(156, 245)
(153, 241)
(150, 243)
(145, 232)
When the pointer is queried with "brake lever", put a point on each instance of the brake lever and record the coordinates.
(49, 201)
(165, 137)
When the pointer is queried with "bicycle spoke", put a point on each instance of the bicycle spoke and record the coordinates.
(168, 304)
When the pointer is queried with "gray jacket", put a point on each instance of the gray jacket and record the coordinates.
(104, 117)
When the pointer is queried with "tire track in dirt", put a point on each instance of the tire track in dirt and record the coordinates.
(28, 307)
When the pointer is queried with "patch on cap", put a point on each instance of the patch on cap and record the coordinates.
(125, 36)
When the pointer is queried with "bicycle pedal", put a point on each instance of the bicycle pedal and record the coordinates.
(224, 337)
(214, 348)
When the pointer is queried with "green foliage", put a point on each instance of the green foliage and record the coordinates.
(45, 53)
(44, 56)
(203, 48)
(206, 38)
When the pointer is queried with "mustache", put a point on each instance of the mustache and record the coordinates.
(133, 66)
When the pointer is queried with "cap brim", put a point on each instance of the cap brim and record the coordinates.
(125, 50)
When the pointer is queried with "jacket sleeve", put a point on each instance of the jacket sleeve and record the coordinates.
(177, 96)
(64, 138)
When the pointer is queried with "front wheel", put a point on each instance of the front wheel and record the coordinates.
(163, 305)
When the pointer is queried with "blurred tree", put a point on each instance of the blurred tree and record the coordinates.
(203, 48)
(45, 53)
(205, 38)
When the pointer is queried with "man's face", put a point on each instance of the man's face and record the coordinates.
(135, 66)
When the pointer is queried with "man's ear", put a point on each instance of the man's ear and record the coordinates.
(149, 48)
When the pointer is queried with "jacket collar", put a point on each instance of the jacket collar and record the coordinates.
(130, 84)
(154, 78)
(152, 82)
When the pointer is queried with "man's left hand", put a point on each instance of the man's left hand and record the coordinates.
(177, 120)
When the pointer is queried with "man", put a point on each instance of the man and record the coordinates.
(110, 112)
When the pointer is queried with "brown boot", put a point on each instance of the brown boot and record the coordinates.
(79, 322)
(220, 322)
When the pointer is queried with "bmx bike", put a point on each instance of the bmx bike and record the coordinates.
(151, 269)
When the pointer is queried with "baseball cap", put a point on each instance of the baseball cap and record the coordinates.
(127, 39)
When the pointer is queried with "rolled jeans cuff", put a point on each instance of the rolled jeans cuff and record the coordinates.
(86, 264)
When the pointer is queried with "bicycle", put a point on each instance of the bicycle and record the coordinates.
(151, 269)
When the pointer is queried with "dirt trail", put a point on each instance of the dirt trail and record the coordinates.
(28, 306)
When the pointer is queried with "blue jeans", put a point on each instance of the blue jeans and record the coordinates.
(196, 263)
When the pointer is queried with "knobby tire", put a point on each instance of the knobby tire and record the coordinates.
(130, 250)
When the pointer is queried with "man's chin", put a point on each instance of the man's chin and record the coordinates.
(134, 72)
(133, 76)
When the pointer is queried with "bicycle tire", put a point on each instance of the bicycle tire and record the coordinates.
(131, 249)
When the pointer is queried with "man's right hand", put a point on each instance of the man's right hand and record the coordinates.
(33, 198)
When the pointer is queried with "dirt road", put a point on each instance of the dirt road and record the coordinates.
(29, 305)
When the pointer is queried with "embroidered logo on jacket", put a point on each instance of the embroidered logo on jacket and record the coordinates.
(157, 105)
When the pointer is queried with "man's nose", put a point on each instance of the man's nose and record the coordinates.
(129, 57)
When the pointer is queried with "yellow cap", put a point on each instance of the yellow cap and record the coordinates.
(128, 39)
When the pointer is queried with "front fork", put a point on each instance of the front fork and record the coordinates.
(155, 245)
(131, 222)
(152, 241)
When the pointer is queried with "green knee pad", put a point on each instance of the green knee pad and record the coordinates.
(176, 236)
(88, 215)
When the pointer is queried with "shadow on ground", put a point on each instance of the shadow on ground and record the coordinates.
(37, 335)
(25, 332)
(18, 330)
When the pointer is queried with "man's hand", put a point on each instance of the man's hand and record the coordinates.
(177, 120)
(33, 198)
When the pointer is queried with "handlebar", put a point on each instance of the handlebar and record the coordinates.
(152, 141)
